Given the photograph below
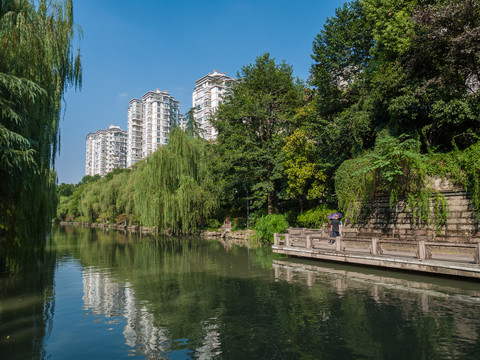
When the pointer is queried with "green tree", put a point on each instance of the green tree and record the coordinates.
(252, 126)
(74, 202)
(89, 179)
(192, 127)
(304, 178)
(89, 204)
(62, 208)
(341, 54)
(36, 65)
(405, 68)
(268, 225)
(408, 66)
(342, 123)
(65, 189)
(174, 188)
(445, 62)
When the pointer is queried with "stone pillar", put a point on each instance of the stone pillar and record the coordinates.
(308, 244)
(287, 240)
(338, 243)
(374, 246)
(422, 251)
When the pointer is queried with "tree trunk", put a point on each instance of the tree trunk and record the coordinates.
(270, 203)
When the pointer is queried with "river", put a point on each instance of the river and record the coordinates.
(103, 294)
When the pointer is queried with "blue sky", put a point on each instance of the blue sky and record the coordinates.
(131, 47)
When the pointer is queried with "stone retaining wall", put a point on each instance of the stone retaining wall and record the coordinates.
(228, 235)
(131, 228)
(381, 221)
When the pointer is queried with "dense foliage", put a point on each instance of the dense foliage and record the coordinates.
(268, 225)
(36, 65)
(305, 179)
(316, 217)
(396, 87)
(172, 190)
(252, 127)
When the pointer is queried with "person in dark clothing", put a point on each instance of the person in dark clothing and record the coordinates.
(335, 229)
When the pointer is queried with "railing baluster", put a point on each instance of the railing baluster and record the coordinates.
(476, 254)
(287, 240)
(308, 241)
(374, 246)
(422, 253)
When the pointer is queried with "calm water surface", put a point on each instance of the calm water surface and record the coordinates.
(107, 295)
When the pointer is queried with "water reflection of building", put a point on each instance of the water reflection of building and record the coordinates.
(106, 297)
(210, 347)
(101, 295)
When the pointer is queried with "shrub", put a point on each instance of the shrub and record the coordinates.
(82, 218)
(212, 224)
(316, 217)
(267, 225)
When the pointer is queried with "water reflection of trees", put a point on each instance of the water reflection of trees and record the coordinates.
(190, 295)
(26, 310)
(431, 320)
(167, 288)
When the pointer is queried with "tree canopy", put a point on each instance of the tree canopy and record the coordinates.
(386, 70)
(252, 125)
(408, 66)
(37, 63)
(172, 190)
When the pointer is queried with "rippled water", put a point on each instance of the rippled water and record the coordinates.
(107, 295)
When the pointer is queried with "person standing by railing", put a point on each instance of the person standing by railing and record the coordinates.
(336, 228)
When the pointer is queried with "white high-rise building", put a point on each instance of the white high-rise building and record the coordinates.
(135, 130)
(160, 113)
(149, 122)
(209, 92)
(106, 150)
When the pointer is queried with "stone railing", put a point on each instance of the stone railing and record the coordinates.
(317, 240)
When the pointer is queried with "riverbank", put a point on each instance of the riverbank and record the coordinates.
(224, 232)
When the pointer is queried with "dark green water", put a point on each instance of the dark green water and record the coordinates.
(107, 295)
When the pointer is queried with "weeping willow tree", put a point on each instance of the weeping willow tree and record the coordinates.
(37, 63)
(104, 200)
(174, 188)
